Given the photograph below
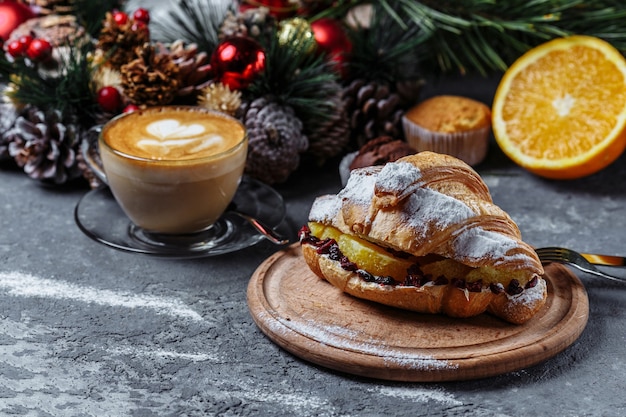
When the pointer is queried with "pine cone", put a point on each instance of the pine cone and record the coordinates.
(118, 42)
(275, 140)
(193, 67)
(252, 22)
(43, 144)
(374, 109)
(331, 137)
(151, 79)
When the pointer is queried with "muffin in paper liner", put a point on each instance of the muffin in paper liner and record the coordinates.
(451, 125)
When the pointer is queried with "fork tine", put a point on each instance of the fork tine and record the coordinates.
(573, 258)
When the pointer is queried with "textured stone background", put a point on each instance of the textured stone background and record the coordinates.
(90, 331)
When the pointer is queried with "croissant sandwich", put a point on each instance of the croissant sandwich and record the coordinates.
(423, 234)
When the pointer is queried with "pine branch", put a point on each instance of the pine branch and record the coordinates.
(69, 91)
(91, 13)
(390, 49)
(298, 78)
(484, 36)
(194, 21)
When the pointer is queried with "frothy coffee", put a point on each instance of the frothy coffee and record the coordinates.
(173, 169)
(173, 134)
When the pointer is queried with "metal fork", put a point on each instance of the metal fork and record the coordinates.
(575, 259)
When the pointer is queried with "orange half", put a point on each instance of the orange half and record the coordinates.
(560, 109)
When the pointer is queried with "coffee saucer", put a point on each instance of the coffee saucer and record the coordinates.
(99, 216)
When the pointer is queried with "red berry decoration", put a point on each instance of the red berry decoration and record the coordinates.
(25, 40)
(39, 50)
(16, 48)
(139, 25)
(236, 62)
(109, 99)
(12, 14)
(130, 108)
(120, 18)
(142, 15)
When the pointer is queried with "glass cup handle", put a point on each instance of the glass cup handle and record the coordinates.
(89, 150)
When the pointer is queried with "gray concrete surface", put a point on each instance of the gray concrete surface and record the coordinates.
(86, 330)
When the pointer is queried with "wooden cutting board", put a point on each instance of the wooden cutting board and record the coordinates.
(317, 322)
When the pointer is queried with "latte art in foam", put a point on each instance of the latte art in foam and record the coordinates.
(173, 134)
(169, 135)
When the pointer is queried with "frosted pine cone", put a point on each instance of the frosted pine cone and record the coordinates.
(251, 22)
(8, 116)
(275, 140)
(43, 144)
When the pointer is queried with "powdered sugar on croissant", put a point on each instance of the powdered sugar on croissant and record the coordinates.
(442, 208)
(427, 205)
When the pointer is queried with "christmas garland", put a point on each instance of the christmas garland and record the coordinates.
(308, 78)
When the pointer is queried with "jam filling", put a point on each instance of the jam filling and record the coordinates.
(414, 277)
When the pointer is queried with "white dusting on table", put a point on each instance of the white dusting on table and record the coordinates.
(415, 394)
(135, 351)
(347, 340)
(26, 285)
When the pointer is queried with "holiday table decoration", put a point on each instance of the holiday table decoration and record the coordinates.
(311, 79)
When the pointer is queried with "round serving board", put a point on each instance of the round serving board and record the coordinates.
(317, 322)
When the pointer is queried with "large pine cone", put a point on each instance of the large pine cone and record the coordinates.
(118, 42)
(275, 140)
(150, 79)
(44, 145)
(194, 70)
(375, 109)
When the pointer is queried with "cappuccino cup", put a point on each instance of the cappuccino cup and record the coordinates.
(172, 169)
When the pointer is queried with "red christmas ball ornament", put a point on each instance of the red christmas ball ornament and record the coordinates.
(236, 62)
(332, 39)
(39, 50)
(280, 9)
(142, 15)
(12, 14)
(109, 99)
